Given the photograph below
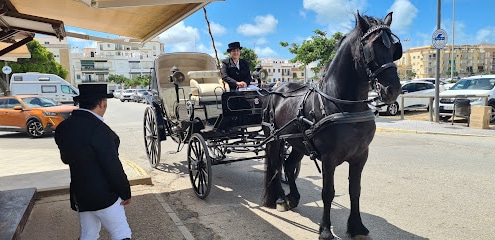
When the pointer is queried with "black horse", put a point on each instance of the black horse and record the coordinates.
(331, 120)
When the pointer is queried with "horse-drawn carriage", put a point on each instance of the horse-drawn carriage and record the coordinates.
(191, 105)
(330, 120)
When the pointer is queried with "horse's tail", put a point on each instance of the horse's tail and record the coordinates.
(273, 166)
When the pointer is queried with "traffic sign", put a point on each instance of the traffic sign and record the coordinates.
(6, 70)
(439, 38)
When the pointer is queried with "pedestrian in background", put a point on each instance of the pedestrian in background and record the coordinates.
(99, 187)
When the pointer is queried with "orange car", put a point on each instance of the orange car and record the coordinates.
(33, 114)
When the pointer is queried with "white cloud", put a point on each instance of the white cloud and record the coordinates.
(404, 14)
(263, 25)
(180, 36)
(261, 41)
(338, 15)
(265, 52)
(217, 29)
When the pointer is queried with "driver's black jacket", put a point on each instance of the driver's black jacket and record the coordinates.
(231, 75)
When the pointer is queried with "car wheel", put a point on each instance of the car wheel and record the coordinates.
(35, 128)
(492, 117)
(393, 109)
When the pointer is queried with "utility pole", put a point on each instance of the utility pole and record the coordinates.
(452, 52)
(437, 79)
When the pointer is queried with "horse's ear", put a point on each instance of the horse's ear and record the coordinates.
(388, 19)
(363, 25)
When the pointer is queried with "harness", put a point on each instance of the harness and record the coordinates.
(308, 129)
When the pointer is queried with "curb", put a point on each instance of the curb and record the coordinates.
(46, 192)
(380, 129)
(142, 179)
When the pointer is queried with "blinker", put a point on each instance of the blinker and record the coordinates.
(385, 39)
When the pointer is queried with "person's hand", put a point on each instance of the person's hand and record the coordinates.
(125, 202)
(241, 84)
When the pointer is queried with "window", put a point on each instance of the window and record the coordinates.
(78, 76)
(48, 88)
(12, 103)
(67, 89)
(3, 103)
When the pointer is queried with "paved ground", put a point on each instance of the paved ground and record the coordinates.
(51, 217)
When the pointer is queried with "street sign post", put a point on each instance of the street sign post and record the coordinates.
(7, 70)
(439, 38)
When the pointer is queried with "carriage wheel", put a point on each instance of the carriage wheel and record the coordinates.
(199, 164)
(284, 154)
(151, 137)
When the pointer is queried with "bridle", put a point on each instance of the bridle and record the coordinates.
(368, 54)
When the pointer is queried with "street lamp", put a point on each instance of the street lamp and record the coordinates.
(452, 52)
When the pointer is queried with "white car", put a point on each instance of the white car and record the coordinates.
(481, 84)
(415, 87)
(443, 84)
(127, 95)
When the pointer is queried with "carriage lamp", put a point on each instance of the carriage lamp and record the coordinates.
(177, 76)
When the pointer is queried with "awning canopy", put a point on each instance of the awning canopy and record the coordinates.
(140, 20)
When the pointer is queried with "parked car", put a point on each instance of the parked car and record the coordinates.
(415, 87)
(481, 84)
(142, 98)
(127, 95)
(33, 114)
(118, 93)
(443, 84)
(138, 95)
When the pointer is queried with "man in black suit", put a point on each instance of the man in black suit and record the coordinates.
(235, 71)
(99, 187)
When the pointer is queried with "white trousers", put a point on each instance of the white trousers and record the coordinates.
(113, 219)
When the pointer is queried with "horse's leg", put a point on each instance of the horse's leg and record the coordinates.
(274, 193)
(327, 195)
(355, 225)
(290, 170)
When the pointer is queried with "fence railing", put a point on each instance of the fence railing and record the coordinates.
(432, 96)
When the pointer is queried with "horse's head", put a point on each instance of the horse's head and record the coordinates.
(379, 49)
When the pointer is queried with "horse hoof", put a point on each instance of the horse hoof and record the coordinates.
(282, 206)
(362, 237)
(328, 234)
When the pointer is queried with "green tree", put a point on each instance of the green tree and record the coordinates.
(248, 55)
(141, 80)
(41, 61)
(117, 79)
(411, 74)
(318, 49)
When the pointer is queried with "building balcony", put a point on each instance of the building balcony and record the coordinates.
(94, 69)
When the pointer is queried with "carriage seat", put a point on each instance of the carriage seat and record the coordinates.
(206, 86)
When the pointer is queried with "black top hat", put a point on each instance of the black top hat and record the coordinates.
(234, 45)
(92, 92)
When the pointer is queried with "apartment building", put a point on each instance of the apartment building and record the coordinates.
(421, 62)
(60, 50)
(282, 70)
(95, 64)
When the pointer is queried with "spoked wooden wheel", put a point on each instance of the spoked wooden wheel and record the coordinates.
(151, 137)
(199, 164)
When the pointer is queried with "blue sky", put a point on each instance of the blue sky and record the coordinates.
(261, 25)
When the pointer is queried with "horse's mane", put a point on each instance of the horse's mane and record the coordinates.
(354, 36)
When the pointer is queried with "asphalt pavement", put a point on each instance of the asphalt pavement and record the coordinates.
(149, 214)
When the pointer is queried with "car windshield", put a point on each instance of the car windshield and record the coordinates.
(36, 102)
(129, 91)
(474, 84)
